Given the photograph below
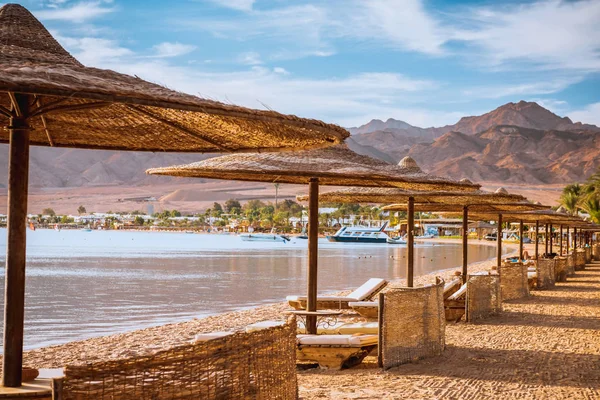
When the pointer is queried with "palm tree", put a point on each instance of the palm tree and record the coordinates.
(570, 198)
(591, 205)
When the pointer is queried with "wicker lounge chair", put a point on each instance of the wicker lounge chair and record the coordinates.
(368, 289)
(335, 351)
(455, 304)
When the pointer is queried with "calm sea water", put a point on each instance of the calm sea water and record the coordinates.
(85, 284)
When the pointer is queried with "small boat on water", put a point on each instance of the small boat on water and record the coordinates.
(356, 234)
(395, 240)
(264, 237)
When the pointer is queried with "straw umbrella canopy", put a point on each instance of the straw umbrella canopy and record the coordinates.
(48, 98)
(429, 201)
(533, 216)
(336, 165)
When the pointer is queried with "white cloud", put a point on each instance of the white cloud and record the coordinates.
(242, 5)
(541, 87)
(549, 34)
(167, 49)
(94, 51)
(78, 13)
(281, 71)
(588, 115)
(250, 58)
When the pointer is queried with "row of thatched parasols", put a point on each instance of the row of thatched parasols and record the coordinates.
(48, 98)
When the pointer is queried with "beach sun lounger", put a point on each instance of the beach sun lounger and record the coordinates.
(454, 305)
(365, 292)
(335, 351)
(370, 309)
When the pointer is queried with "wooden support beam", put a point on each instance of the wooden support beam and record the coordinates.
(561, 240)
(465, 243)
(521, 240)
(410, 243)
(551, 251)
(14, 292)
(537, 234)
(313, 253)
(499, 243)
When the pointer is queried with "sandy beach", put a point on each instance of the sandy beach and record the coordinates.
(543, 347)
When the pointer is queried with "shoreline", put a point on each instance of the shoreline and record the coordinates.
(146, 341)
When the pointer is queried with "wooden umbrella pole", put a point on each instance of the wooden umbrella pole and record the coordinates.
(313, 238)
(521, 240)
(568, 238)
(574, 238)
(465, 243)
(499, 243)
(551, 238)
(537, 233)
(410, 243)
(546, 240)
(14, 292)
(561, 240)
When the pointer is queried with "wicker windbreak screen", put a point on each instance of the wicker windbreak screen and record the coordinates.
(257, 365)
(588, 255)
(579, 259)
(596, 252)
(513, 280)
(545, 273)
(570, 264)
(483, 296)
(560, 269)
(411, 324)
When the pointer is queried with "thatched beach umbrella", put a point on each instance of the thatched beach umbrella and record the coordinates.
(336, 166)
(48, 98)
(497, 202)
(533, 216)
(426, 201)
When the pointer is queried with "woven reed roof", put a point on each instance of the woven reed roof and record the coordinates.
(543, 216)
(392, 195)
(336, 165)
(78, 106)
(499, 207)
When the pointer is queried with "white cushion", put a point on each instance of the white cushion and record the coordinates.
(363, 304)
(459, 292)
(367, 288)
(531, 274)
(329, 330)
(263, 325)
(203, 337)
(359, 327)
(337, 340)
(322, 298)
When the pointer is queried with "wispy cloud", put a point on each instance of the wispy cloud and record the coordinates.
(546, 34)
(242, 5)
(250, 58)
(78, 13)
(167, 49)
(541, 87)
(589, 114)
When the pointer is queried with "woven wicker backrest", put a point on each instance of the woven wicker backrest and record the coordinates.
(256, 365)
(513, 280)
(411, 324)
(545, 273)
(588, 255)
(483, 296)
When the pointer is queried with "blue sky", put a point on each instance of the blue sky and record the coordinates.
(427, 62)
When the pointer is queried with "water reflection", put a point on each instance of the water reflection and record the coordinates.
(82, 284)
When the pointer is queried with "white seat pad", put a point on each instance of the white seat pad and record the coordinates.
(337, 340)
(364, 304)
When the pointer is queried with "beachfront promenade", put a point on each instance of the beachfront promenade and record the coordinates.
(543, 347)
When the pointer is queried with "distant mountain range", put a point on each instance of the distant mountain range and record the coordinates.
(517, 142)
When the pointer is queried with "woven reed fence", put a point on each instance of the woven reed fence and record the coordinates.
(483, 296)
(588, 255)
(412, 325)
(513, 280)
(256, 365)
(560, 269)
(545, 273)
(570, 264)
(596, 252)
(579, 259)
